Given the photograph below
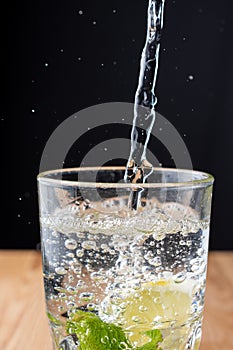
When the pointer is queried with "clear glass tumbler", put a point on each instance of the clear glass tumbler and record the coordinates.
(117, 278)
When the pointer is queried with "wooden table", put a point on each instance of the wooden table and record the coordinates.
(23, 324)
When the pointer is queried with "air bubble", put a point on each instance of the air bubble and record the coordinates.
(71, 289)
(123, 305)
(80, 284)
(60, 270)
(70, 244)
(79, 253)
(89, 245)
(142, 308)
(91, 307)
(105, 340)
(157, 319)
(96, 276)
(71, 278)
(179, 277)
(86, 296)
(62, 295)
(70, 304)
(200, 251)
(136, 319)
(149, 255)
(159, 236)
(77, 270)
(155, 261)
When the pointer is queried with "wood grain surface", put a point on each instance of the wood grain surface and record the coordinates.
(23, 324)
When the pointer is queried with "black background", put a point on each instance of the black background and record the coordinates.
(58, 60)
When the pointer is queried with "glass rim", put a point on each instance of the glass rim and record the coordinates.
(204, 180)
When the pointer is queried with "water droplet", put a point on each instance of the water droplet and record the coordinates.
(94, 22)
(114, 11)
(190, 77)
(80, 12)
(46, 64)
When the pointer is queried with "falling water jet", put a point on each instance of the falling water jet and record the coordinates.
(138, 168)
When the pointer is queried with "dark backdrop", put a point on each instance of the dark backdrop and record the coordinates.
(62, 56)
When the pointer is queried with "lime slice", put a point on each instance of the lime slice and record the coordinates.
(163, 305)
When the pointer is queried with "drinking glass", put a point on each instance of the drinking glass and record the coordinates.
(118, 278)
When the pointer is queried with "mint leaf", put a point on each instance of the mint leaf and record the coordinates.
(156, 338)
(95, 334)
(53, 319)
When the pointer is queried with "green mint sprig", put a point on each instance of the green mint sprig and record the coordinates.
(95, 334)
